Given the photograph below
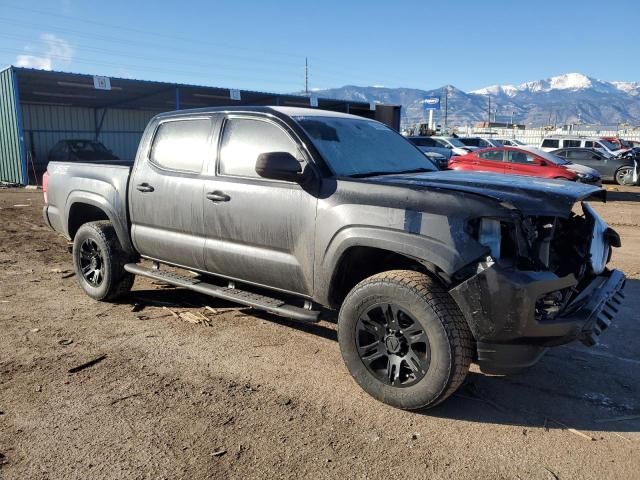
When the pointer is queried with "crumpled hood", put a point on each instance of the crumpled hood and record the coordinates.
(530, 195)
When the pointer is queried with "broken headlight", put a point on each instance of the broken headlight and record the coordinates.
(489, 235)
(599, 249)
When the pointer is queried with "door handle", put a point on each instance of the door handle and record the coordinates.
(218, 196)
(144, 187)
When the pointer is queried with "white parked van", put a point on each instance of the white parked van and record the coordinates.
(555, 142)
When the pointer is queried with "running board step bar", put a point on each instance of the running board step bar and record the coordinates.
(250, 299)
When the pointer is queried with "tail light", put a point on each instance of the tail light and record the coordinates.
(45, 187)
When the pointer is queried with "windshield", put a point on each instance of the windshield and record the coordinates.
(354, 147)
(610, 146)
(454, 141)
(550, 157)
(422, 142)
(82, 146)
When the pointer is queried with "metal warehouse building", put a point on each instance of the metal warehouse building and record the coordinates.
(38, 108)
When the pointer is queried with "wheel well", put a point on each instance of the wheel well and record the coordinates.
(358, 263)
(81, 213)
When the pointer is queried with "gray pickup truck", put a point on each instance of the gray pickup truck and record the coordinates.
(304, 212)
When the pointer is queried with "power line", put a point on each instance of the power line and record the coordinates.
(339, 71)
(326, 73)
(136, 30)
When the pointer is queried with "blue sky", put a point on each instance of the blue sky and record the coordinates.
(262, 45)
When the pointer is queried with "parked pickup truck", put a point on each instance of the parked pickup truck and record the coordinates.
(301, 212)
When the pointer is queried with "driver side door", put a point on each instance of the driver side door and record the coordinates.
(258, 230)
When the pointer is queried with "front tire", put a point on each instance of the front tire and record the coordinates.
(404, 339)
(99, 259)
(624, 176)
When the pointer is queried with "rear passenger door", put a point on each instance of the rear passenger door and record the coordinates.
(259, 230)
(490, 161)
(521, 163)
(166, 192)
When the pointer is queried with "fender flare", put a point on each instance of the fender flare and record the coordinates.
(98, 201)
(422, 248)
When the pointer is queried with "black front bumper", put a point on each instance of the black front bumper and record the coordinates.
(500, 307)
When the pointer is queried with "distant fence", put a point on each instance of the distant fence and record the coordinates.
(534, 136)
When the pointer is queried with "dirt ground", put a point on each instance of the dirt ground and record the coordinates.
(257, 396)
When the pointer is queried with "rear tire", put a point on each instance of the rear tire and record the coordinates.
(404, 339)
(99, 259)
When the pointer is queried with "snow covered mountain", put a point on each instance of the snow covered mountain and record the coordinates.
(567, 98)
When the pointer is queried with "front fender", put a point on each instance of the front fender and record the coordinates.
(447, 255)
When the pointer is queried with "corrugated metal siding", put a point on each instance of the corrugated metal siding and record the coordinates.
(45, 125)
(12, 168)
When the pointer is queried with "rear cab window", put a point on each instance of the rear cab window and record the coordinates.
(181, 145)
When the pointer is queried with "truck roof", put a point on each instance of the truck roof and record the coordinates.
(289, 111)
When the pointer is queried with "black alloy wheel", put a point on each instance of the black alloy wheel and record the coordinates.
(392, 345)
(99, 260)
(91, 262)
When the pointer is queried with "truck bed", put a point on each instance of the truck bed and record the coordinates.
(102, 184)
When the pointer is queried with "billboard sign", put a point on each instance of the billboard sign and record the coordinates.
(431, 103)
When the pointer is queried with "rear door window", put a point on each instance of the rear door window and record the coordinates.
(550, 143)
(493, 155)
(520, 157)
(182, 145)
(571, 143)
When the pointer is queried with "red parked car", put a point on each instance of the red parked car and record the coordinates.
(524, 161)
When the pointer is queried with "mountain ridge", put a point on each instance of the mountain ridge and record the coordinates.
(568, 98)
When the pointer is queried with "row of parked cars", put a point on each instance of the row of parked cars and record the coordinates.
(586, 160)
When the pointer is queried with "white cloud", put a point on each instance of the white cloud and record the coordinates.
(31, 61)
(55, 51)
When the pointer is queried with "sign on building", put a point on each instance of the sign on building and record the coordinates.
(101, 83)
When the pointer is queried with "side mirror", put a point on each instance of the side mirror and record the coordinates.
(543, 163)
(279, 166)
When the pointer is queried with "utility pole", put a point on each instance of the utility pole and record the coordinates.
(489, 112)
(446, 107)
(306, 76)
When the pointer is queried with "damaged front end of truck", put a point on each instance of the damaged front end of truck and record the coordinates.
(543, 282)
